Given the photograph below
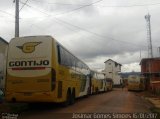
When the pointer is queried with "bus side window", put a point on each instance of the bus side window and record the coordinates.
(53, 79)
(59, 55)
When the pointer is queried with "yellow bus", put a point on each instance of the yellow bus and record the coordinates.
(136, 83)
(98, 82)
(39, 69)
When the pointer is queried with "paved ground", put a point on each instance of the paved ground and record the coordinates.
(116, 101)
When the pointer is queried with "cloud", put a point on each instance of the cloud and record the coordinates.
(94, 33)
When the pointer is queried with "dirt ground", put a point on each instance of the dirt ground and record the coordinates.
(116, 101)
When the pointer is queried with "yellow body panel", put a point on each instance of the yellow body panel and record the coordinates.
(96, 85)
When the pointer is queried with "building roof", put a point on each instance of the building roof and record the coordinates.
(1, 39)
(113, 61)
(146, 59)
(3, 45)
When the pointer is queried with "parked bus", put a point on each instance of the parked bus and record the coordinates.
(136, 83)
(99, 83)
(39, 69)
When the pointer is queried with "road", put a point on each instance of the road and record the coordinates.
(116, 101)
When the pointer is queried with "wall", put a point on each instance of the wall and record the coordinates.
(111, 71)
(1, 70)
(152, 65)
(150, 68)
(3, 49)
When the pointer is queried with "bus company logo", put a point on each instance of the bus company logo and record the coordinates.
(29, 47)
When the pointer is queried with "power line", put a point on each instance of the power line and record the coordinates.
(93, 33)
(64, 25)
(7, 13)
(130, 5)
(73, 10)
(4, 20)
(135, 5)
(23, 5)
(33, 8)
(98, 35)
(101, 36)
(81, 7)
(55, 3)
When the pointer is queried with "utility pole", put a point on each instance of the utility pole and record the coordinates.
(140, 55)
(159, 51)
(16, 18)
(150, 53)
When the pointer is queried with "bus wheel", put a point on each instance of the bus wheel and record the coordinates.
(105, 90)
(72, 98)
(97, 91)
(68, 99)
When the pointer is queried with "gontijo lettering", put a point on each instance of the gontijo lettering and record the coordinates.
(29, 63)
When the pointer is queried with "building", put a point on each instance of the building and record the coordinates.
(150, 69)
(3, 48)
(112, 70)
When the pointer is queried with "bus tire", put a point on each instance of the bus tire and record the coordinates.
(72, 98)
(68, 99)
(105, 89)
(97, 90)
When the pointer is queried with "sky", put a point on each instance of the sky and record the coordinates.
(93, 30)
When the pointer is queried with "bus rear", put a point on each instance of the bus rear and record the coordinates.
(29, 69)
(136, 83)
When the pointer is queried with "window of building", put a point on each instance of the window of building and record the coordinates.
(116, 64)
